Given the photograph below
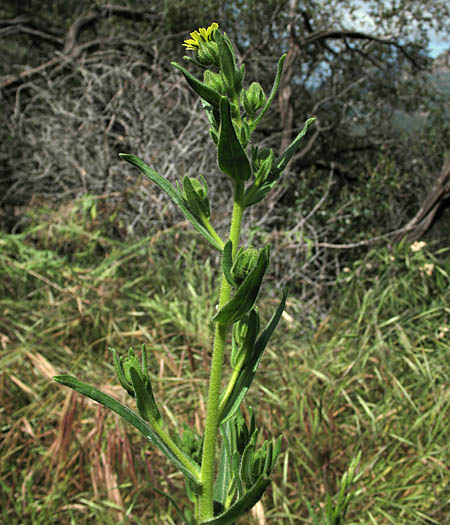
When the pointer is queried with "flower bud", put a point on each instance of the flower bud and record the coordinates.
(195, 193)
(253, 99)
(208, 54)
(244, 134)
(122, 366)
(215, 81)
(240, 329)
(246, 260)
(263, 164)
(135, 379)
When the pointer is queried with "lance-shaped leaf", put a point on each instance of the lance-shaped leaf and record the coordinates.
(184, 463)
(290, 150)
(229, 406)
(202, 90)
(231, 156)
(224, 483)
(176, 197)
(239, 78)
(243, 505)
(236, 436)
(246, 466)
(275, 86)
(120, 372)
(257, 193)
(246, 294)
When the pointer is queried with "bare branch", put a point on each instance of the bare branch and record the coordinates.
(323, 36)
(70, 46)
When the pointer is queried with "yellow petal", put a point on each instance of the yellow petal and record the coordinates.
(202, 35)
(191, 42)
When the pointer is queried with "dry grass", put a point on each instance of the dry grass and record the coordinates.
(370, 377)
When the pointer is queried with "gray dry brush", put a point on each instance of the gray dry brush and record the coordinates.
(224, 490)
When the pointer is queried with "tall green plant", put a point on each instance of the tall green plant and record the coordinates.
(222, 485)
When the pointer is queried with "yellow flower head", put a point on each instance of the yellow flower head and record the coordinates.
(200, 36)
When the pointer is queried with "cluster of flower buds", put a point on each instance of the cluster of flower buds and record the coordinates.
(135, 379)
(251, 466)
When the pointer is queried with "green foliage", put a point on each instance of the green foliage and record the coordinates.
(371, 377)
(243, 272)
(231, 156)
(153, 432)
(244, 466)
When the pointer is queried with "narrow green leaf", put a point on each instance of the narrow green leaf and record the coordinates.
(185, 464)
(263, 339)
(275, 453)
(275, 86)
(235, 463)
(250, 336)
(202, 90)
(231, 157)
(243, 505)
(174, 194)
(290, 150)
(223, 480)
(242, 352)
(269, 459)
(246, 294)
(238, 79)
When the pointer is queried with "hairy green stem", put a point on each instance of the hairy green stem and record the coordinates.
(207, 472)
(229, 388)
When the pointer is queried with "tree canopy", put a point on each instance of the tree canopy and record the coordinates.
(82, 81)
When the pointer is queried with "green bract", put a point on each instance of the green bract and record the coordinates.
(221, 493)
(215, 81)
(208, 54)
(253, 99)
(245, 261)
(246, 294)
(195, 194)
